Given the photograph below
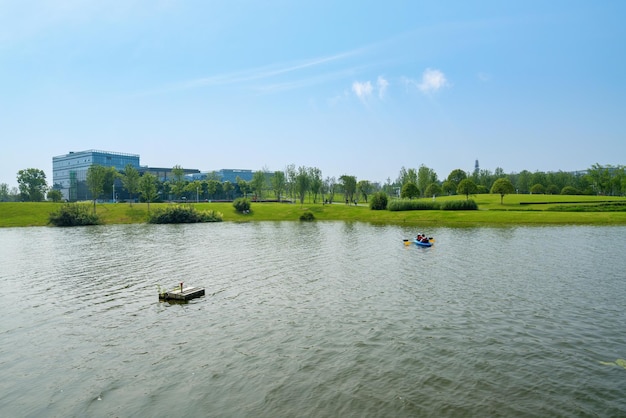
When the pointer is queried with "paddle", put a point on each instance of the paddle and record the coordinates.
(407, 241)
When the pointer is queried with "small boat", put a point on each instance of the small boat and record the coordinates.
(424, 242)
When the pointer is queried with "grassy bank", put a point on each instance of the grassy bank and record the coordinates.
(516, 210)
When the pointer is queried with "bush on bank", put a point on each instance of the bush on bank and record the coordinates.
(242, 205)
(73, 214)
(379, 201)
(179, 214)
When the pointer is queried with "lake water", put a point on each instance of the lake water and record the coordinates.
(317, 319)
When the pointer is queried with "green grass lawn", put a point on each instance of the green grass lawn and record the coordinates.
(490, 212)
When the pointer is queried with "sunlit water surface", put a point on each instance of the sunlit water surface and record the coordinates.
(312, 320)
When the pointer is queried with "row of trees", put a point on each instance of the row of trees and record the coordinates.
(300, 183)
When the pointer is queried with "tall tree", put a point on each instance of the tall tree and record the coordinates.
(257, 184)
(278, 184)
(303, 183)
(178, 182)
(467, 187)
(455, 178)
(4, 192)
(502, 186)
(130, 180)
(228, 189)
(364, 188)
(96, 176)
(330, 184)
(148, 188)
(32, 184)
(110, 175)
(410, 191)
(290, 177)
(349, 186)
(244, 186)
(315, 176)
(425, 176)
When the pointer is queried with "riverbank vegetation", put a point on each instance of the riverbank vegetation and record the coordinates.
(517, 209)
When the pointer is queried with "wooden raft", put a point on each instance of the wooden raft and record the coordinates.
(184, 294)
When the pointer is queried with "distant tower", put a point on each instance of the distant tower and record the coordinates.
(476, 168)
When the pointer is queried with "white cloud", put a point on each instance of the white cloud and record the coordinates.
(432, 80)
(484, 77)
(382, 85)
(362, 90)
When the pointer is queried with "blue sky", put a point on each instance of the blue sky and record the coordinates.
(351, 87)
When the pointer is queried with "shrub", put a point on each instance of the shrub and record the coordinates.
(73, 214)
(307, 216)
(242, 205)
(459, 205)
(179, 214)
(407, 204)
(378, 201)
(569, 190)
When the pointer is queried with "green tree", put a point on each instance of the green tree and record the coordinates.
(467, 187)
(148, 188)
(244, 186)
(449, 187)
(502, 186)
(433, 190)
(194, 188)
(130, 180)
(349, 186)
(228, 189)
(110, 175)
(4, 192)
(290, 177)
(410, 191)
(278, 184)
(213, 187)
(379, 201)
(425, 176)
(455, 178)
(315, 176)
(330, 184)
(32, 184)
(303, 183)
(178, 182)
(537, 189)
(257, 184)
(364, 188)
(96, 176)
(55, 195)
(406, 176)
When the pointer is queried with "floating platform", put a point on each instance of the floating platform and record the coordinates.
(182, 293)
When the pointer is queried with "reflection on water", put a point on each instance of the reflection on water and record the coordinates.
(312, 319)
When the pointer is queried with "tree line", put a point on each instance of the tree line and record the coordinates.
(307, 183)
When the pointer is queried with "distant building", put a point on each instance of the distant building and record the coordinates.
(226, 174)
(69, 171)
(231, 175)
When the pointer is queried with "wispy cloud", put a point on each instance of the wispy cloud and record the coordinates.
(484, 77)
(432, 80)
(363, 90)
(262, 73)
(382, 85)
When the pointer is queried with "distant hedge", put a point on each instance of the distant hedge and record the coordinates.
(181, 214)
(469, 204)
(409, 204)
